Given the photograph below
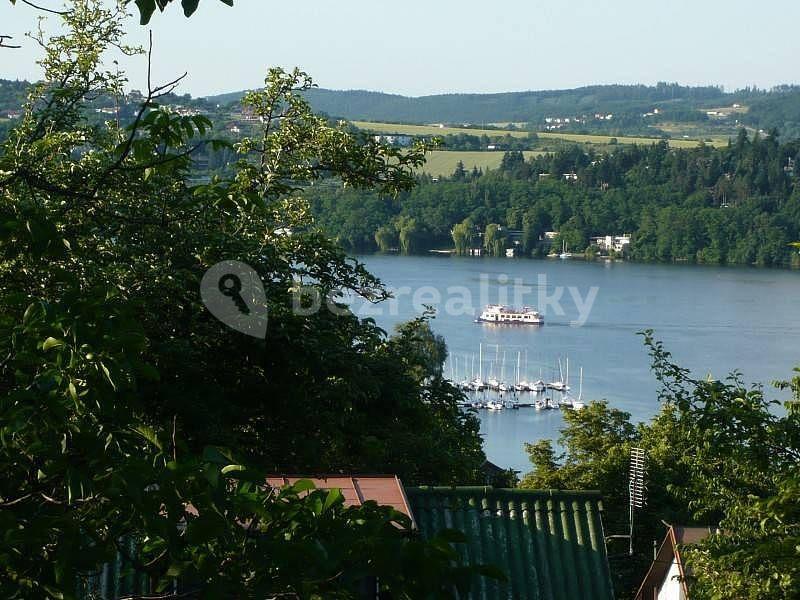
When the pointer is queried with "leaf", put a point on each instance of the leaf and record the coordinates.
(73, 392)
(189, 6)
(303, 485)
(146, 10)
(149, 434)
(107, 373)
(335, 496)
(51, 342)
(31, 312)
(231, 468)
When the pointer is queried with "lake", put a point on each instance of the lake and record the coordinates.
(712, 319)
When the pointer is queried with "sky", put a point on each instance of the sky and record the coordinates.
(417, 47)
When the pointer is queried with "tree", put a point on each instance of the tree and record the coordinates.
(411, 236)
(718, 454)
(460, 173)
(463, 236)
(386, 238)
(121, 392)
(494, 241)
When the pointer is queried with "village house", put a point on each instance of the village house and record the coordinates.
(607, 243)
(669, 577)
(394, 140)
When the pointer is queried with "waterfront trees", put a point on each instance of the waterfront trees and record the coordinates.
(734, 205)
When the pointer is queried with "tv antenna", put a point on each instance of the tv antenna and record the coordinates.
(637, 489)
(637, 492)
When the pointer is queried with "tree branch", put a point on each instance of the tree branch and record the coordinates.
(44, 8)
(4, 44)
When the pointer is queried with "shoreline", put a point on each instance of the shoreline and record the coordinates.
(451, 253)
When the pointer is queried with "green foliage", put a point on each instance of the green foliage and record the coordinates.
(463, 237)
(736, 205)
(719, 454)
(494, 240)
(120, 392)
(148, 7)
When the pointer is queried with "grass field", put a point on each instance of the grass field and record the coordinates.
(570, 137)
(443, 163)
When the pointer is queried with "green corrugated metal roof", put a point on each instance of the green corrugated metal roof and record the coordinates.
(549, 543)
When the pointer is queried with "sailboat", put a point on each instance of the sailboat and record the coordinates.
(559, 385)
(521, 384)
(566, 398)
(564, 253)
(502, 386)
(539, 385)
(478, 383)
(577, 403)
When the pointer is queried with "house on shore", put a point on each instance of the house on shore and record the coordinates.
(607, 243)
(669, 577)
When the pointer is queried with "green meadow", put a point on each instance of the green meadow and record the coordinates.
(431, 130)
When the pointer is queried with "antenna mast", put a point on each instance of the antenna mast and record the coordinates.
(637, 489)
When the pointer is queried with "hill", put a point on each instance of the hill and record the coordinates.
(666, 109)
(634, 110)
(528, 106)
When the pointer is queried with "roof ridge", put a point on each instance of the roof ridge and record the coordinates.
(486, 489)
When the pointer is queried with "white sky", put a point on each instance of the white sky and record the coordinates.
(417, 47)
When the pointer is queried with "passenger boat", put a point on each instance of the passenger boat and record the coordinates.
(498, 313)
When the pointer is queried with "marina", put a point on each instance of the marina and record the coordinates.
(499, 393)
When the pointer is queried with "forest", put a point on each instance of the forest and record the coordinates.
(734, 205)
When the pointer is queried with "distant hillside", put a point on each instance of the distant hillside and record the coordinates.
(532, 106)
(638, 110)
(778, 110)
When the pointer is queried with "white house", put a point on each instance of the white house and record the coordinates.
(617, 243)
(669, 577)
(393, 140)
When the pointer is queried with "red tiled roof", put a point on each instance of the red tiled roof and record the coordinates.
(383, 489)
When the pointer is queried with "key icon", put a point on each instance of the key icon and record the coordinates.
(230, 285)
(234, 293)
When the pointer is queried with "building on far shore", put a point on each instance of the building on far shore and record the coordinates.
(607, 243)
(394, 140)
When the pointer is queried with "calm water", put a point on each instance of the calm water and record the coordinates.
(712, 319)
